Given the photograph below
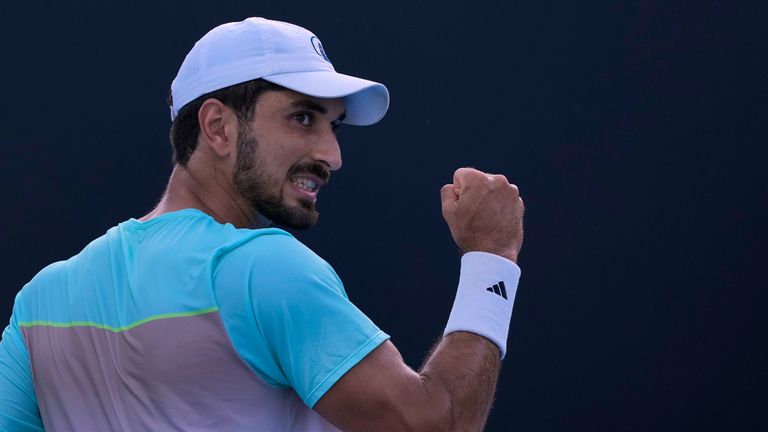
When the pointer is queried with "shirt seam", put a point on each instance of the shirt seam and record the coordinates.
(117, 329)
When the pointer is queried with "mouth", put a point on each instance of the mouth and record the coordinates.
(307, 186)
(306, 179)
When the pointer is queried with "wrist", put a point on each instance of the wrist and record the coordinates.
(485, 296)
(508, 254)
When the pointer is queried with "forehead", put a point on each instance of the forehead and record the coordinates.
(287, 99)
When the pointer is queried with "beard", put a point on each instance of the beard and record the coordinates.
(253, 182)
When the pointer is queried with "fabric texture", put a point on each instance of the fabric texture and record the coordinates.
(180, 323)
(485, 297)
(279, 52)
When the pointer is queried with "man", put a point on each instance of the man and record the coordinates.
(197, 317)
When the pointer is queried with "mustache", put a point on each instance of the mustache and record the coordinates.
(314, 168)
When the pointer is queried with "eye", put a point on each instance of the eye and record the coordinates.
(305, 118)
(335, 125)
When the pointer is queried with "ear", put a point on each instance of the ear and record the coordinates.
(218, 127)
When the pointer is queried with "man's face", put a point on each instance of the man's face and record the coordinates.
(286, 154)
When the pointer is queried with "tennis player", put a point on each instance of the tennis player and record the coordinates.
(200, 317)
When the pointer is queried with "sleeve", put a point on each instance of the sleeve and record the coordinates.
(18, 404)
(295, 325)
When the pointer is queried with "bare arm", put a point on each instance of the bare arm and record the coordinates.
(454, 389)
(466, 366)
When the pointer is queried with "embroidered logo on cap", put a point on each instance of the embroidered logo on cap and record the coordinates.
(319, 48)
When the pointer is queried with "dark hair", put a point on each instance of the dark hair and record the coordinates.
(240, 97)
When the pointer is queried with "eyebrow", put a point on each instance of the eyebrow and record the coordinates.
(314, 106)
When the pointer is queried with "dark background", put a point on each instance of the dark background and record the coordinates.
(635, 131)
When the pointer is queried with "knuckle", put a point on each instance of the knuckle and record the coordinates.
(469, 175)
(463, 171)
(500, 178)
(498, 181)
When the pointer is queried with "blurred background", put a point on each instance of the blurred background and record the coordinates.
(635, 131)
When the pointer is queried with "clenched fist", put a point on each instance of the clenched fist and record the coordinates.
(484, 213)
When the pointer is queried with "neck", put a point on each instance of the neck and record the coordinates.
(208, 192)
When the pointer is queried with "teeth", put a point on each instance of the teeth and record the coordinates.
(306, 184)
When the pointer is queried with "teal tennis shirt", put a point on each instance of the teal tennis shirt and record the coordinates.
(180, 323)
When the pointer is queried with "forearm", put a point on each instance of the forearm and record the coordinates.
(464, 366)
(454, 389)
(460, 378)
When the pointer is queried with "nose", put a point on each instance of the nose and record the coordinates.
(328, 151)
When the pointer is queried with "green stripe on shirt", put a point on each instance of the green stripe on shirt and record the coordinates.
(117, 329)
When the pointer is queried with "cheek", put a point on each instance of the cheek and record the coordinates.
(283, 157)
(279, 149)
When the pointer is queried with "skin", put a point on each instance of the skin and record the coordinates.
(284, 136)
(235, 169)
(454, 389)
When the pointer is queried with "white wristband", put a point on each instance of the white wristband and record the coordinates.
(483, 304)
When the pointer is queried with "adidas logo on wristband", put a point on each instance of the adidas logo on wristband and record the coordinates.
(476, 312)
(498, 289)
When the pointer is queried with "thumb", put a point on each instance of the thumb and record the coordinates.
(449, 199)
(448, 194)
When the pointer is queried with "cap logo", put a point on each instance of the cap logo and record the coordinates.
(319, 48)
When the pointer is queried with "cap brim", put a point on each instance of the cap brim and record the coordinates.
(366, 101)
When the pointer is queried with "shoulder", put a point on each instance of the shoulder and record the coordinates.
(275, 250)
(39, 291)
(277, 259)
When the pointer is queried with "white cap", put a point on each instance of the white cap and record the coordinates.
(278, 52)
